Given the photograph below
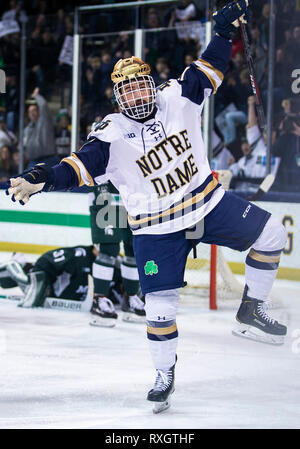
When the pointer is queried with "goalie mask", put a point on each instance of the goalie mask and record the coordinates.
(134, 88)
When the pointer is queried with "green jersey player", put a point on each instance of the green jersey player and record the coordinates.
(109, 229)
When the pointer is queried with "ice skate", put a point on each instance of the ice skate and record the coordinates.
(133, 310)
(36, 291)
(103, 312)
(255, 324)
(162, 390)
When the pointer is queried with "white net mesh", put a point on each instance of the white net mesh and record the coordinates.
(197, 275)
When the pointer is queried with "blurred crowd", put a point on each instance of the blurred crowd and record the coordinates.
(238, 143)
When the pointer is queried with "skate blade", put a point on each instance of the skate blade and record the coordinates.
(103, 322)
(159, 407)
(132, 318)
(252, 333)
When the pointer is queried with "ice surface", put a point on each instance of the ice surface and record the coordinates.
(56, 371)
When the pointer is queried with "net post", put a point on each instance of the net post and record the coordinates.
(213, 271)
(213, 278)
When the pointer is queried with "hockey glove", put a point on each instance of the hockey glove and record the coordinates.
(227, 18)
(37, 179)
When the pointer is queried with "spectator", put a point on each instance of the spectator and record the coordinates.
(107, 103)
(185, 11)
(12, 13)
(39, 142)
(90, 88)
(6, 164)
(63, 134)
(222, 158)
(7, 137)
(158, 45)
(263, 24)
(253, 163)
(11, 100)
(161, 72)
(239, 90)
(287, 148)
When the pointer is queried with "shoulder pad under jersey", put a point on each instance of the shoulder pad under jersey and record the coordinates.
(108, 130)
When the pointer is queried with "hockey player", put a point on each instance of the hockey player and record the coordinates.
(109, 228)
(60, 273)
(153, 153)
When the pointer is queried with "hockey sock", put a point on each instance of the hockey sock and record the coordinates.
(162, 333)
(263, 259)
(103, 273)
(130, 275)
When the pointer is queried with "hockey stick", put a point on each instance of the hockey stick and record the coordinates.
(263, 188)
(247, 50)
(259, 106)
(225, 176)
(12, 297)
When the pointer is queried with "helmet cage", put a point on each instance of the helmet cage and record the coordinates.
(138, 100)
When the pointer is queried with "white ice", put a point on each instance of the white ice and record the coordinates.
(56, 371)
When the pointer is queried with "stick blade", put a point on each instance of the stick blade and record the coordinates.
(267, 183)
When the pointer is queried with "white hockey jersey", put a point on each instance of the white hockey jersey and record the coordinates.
(160, 165)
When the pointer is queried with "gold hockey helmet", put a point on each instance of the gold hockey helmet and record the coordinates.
(126, 69)
(134, 87)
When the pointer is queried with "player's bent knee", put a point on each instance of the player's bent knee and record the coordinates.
(273, 236)
(162, 305)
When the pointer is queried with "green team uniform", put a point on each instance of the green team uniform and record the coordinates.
(67, 271)
(109, 228)
(64, 273)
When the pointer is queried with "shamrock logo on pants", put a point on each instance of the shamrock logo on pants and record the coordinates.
(150, 268)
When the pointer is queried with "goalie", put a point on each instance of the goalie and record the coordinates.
(60, 273)
(153, 153)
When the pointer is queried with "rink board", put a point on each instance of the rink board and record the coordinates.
(62, 219)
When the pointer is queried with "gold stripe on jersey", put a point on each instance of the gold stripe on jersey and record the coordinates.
(84, 178)
(180, 207)
(219, 74)
(215, 76)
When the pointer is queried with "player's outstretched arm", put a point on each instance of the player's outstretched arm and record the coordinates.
(40, 178)
(218, 52)
(81, 168)
(206, 74)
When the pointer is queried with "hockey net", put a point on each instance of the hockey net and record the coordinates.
(209, 276)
